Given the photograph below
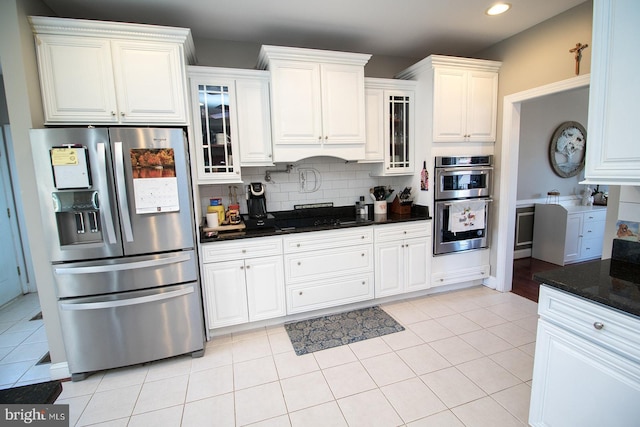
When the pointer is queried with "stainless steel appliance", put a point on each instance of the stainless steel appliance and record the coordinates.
(462, 203)
(118, 205)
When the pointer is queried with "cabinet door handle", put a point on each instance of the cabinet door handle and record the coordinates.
(598, 325)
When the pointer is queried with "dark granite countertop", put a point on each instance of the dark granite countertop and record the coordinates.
(417, 214)
(610, 282)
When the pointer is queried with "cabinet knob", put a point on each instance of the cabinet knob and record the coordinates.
(598, 325)
(244, 251)
(122, 114)
(270, 155)
(242, 267)
(364, 283)
(362, 254)
(320, 138)
(113, 113)
(298, 245)
(299, 263)
(300, 293)
(363, 237)
(326, 138)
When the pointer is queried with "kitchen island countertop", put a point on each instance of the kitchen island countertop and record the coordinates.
(613, 283)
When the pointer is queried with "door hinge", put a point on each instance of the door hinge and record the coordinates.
(8, 213)
(18, 267)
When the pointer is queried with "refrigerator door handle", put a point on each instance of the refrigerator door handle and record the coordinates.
(110, 229)
(105, 268)
(125, 302)
(122, 193)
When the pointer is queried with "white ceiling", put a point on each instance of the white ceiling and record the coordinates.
(403, 28)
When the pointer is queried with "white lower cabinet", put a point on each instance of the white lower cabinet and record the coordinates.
(328, 268)
(564, 235)
(401, 254)
(243, 281)
(586, 366)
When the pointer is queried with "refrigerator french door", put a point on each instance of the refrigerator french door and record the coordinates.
(118, 204)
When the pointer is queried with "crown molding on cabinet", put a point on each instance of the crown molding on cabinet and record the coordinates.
(115, 30)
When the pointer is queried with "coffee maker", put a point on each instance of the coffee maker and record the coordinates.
(257, 215)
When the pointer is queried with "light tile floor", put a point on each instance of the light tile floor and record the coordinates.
(23, 343)
(465, 359)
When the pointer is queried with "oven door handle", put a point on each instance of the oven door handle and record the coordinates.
(478, 169)
(467, 201)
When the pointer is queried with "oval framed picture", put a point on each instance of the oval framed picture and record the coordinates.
(567, 149)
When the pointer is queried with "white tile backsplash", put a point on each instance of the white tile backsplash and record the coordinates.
(338, 181)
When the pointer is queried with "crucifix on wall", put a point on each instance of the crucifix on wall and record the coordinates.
(578, 54)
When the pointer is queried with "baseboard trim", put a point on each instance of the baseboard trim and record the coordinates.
(59, 371)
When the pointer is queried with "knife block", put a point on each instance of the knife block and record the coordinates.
(399, 208)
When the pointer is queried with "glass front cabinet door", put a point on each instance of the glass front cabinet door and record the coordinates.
(399, 157)
(215, 133)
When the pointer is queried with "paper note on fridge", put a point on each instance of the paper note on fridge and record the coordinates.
(70, 168)
(153, 195)
(466, 216)
(155, 185)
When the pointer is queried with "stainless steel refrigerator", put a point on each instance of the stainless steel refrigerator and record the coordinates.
(117, 204)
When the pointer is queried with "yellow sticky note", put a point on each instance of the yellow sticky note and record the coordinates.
(64, 156)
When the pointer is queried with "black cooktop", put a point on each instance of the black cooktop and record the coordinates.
(317, 217)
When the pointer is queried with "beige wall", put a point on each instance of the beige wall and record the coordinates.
(17, 55)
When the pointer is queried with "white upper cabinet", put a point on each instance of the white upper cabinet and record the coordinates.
(465, 97)
(613, 153)
(94, 72)
(232, 128)
(317, 102)
(390, 123)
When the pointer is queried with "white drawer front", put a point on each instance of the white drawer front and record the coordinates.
(592, 229)
(595, 215)
(330, 239)
(605, 326)
(242, 248)
(591, 248)
(329, 263)
(329, 293)
(405, 230)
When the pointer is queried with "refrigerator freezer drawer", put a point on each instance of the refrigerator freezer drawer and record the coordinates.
(124, 274)
(129, 328)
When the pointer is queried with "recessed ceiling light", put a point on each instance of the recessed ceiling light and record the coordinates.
(498, 8)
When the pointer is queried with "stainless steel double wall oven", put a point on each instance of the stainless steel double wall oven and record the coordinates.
(462, 202)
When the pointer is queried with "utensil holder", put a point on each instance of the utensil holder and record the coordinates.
(379, 207)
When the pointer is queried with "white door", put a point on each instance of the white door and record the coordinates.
(150, 82)
(449, 105)
(343, 114)
(225, 293)
(389, 266)
(265, 288)
(482, 106)
(416, 253)
(573, 237)
(10, 281)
